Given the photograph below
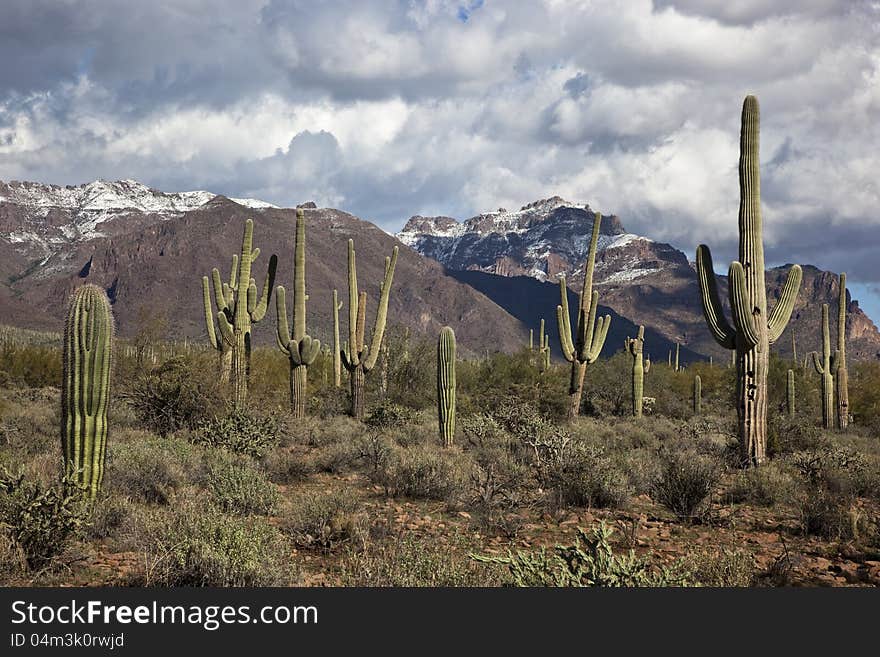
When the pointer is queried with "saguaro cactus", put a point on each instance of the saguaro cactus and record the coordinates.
(754, 329)
(238, 307)
(544, 351)
(583, 348)
(299, 347)
(635, 346)
(677, 347)
(824, 370)
(223, 348)
(359, 359)
(841, 378)
(789, 394)
(446, 385)
(85, 391)
(698, 395)
(337, 358)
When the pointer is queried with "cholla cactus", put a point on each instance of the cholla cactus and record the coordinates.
(635, 346)
(238, 308)
(824, 370)
(299, 347)
(446, 385)
(85, 387)
(358, 358)
(585, 346)
(754, 329)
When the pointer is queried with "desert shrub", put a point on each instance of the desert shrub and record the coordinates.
(176, 395)
(240, 431)
(422, 473)
(827, 514)
(590, 561)
(374, 450)
(30, 426)
(838, 469)
(480, 430)
(335, 458)
(764, 486)
(412, 561)
(388, 415)
(686, 481)
(12, 558)
(40, 520)
(722, 567)
(109, 515)
(284, 467)
(587, 476)
(642, 468)
(236, 486)
(522, 421)
(787, 435)
(324, 520)
(31, 365)
(149, 468)
(198, 545)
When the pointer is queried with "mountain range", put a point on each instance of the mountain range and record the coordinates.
(491, 277)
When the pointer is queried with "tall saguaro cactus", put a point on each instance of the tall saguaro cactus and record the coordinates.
(446, 385)
(677, 367)
(635, 346)
(789, 394)
(85, 391)
(299, 347)
(239, 307)
(754, 329)
(585, 346)
(337, 350)
(698, 395)
(841, 378)
(224, 349)
(824, 370)
(359, 358)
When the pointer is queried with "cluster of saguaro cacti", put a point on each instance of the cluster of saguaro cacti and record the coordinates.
(85, 389)
(238, 307)
(299, 347)
(754, 329)
(635, 346)
(359, 358)
(585, 346)
(446, 385)
(824, 369)
(789, 394)
(698, 395)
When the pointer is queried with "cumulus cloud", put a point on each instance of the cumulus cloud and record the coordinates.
(455, 107)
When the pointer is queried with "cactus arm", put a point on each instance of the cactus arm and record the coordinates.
(233, 274)
(255, 254)
(251, 298)
(382, 311)
(352, 305)
(587, 327)
(599, 336)
(782, 312)
(309, 348)
(841, 317)
(816, 364)
(719, 327)
(219, 297)
(563, 321)
(209, 314)
(282, 331)
(739, 306)
(226, 329)
(260, 307)
(346, 362)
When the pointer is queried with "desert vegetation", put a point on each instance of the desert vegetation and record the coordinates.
(231, 463)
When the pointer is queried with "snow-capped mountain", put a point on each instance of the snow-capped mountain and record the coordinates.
(48, 216)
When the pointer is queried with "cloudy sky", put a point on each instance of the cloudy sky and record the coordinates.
(389, 109)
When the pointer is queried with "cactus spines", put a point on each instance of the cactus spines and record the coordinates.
(635, 346)
(223, 348)
(299, 347)
(841, 378)
(753, 329)
(698, 395)
(584, 347)
(85, 392)
(446, 385)
(337, 358)
(824, 370)
(359, 358)
(789, 394)
(238, 307)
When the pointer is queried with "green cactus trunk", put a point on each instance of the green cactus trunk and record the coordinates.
(224, 350)
(585, 346)
(789, 394)
(299, 347)
(677, 368)
(85, 392)
(358, 358)
(238, 308)
(753, 330)
(337, 349)
(446, 385)
(824, 370)
(841, 377)
(698, 395)
(635, 346)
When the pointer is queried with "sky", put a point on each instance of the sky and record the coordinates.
(389, 109)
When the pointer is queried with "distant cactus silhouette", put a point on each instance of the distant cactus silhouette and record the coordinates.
(635, 346)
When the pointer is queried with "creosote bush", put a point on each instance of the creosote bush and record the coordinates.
(686, 482)
(324, 520)
(238, 487)
(422, 473)
(240, 431)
